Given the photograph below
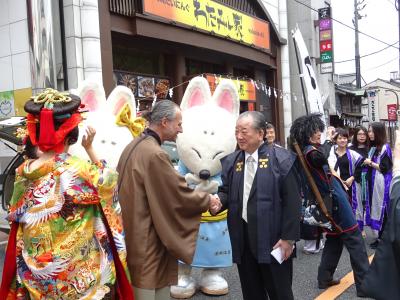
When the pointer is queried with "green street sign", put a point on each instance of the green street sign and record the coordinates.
(326, 57)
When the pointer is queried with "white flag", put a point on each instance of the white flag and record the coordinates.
(308, 75)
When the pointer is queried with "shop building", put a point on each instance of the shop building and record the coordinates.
(153, 45)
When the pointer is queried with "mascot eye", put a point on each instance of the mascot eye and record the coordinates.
(218, 153)
(103, 141)
(113, 143)
(198, 153)
(212, 132)
(205, 131)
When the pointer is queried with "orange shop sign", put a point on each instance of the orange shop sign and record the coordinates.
(214, 18)
(246, 90)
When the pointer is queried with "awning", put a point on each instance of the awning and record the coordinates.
(349, 91)
(353, 114)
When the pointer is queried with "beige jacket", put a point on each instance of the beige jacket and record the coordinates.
(161, 215)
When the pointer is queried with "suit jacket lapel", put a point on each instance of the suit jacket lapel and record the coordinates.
(238, 177)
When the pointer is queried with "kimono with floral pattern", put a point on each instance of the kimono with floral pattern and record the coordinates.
(63, 250)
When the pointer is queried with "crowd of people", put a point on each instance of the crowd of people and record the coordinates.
(80, 230)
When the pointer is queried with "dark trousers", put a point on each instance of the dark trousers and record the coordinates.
(354, 244)
(260, 281)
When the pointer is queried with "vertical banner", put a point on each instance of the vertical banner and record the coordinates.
(392, 112)
(325, 40)
(308, 75)
(373, 106)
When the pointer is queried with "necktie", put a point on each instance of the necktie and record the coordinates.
(248, 182)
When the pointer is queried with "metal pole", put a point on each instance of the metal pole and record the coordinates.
(300, 72)
(357, 47)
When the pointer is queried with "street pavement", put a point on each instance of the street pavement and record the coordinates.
(304, 281)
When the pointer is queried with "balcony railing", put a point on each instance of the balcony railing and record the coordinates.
(125, 7)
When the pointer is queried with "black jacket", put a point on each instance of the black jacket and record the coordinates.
(383, 278)
(274, 204)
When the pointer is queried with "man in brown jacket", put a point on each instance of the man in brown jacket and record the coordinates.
(161, 214)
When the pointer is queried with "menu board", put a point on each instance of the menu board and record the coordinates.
(144, 87)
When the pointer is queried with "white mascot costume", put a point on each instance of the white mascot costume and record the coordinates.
(208, 135)
(113, 119)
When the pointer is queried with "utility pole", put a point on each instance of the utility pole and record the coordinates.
(358, 6)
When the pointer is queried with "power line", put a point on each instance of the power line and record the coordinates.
(388, 62)
(352, 28)
(369, 54)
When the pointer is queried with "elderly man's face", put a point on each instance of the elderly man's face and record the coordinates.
(171, 128)
(248, 138)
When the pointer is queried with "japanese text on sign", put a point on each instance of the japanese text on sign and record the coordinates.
(212, 17)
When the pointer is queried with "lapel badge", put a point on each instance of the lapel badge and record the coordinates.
(239, 166)
(263, 163)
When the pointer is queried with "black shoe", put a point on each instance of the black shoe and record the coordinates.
(375, 244)
(325, 285)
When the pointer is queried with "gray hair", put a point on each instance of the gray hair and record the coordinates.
(259, 121)
(163, 109)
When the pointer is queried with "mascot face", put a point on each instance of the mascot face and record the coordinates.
(208, 126)
(111, 139)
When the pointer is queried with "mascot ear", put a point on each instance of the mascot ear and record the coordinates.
(226, 96)
(197, 93)
(120, 96)
(92, 95)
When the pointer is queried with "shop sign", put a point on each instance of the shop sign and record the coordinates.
(326, 68)
(246, 89)
(214, 18)
(325, 24)
(325, 40)
(324, 13)
(144, 86)
(6, 104)
(373, 109)
(325, 35)
(326, 57)
(325, 46)
(392, 112)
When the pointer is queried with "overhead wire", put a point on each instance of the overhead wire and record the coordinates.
(344, 24)
(369, 54)
(388, 62)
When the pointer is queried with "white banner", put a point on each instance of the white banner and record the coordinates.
(373, 106)
(308, 74)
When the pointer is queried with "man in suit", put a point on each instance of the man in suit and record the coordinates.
(260, 190)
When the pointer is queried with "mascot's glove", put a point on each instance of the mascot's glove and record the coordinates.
(208, 186)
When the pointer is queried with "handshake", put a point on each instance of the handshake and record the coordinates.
(214, 205)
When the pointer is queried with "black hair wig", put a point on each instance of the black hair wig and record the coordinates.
(304, 127)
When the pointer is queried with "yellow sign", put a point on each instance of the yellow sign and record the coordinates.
(246, 89)
(214, 18)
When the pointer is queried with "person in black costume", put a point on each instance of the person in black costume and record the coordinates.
(307, 131)
(261, 192)
(379, 175)
(383, 277)
(360, 142)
